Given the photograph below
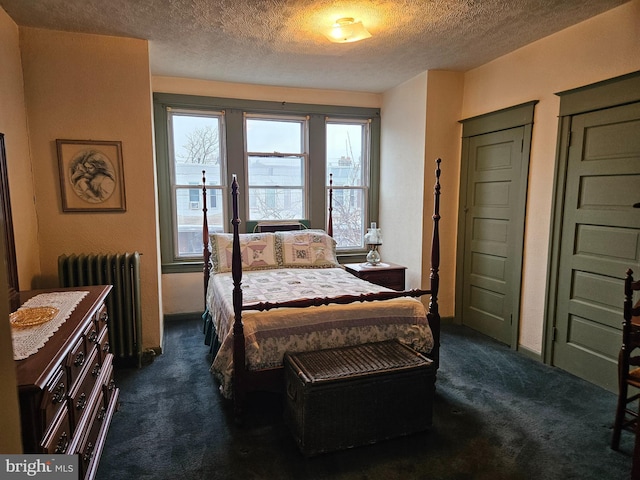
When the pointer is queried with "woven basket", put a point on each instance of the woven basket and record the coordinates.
(349, 396)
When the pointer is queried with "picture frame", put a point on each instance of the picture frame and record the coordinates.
(91, 175)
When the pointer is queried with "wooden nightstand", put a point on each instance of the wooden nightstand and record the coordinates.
(385, 274)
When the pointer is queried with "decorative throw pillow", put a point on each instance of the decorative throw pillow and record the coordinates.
(306, 248)
(257, 251)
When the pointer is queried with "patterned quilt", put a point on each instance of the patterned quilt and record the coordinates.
(268, 335)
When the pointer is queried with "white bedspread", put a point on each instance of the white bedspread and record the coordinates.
(268, 335)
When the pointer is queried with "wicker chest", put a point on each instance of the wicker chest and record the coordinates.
(349, 396)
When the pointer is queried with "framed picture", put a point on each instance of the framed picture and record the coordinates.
(91, 176)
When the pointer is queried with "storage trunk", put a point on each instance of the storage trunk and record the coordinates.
(344, 397)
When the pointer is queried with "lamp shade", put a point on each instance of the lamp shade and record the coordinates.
(373, 235)
(347, 30)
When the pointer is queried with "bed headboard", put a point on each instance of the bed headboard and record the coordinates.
(266, 226)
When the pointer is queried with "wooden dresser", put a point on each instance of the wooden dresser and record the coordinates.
(67, 391)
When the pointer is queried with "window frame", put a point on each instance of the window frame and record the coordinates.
(234, 110)
(364, 187)
(303, 155)
(171, 113)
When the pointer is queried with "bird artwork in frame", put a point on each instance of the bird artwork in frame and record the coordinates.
(91, 175)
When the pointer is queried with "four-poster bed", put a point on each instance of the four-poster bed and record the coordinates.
(297, 297)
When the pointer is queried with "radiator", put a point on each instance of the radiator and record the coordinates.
(122, 270)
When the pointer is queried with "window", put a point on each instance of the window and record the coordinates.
(276, 154)
(196, 143)
(348, 167)
(282, 155)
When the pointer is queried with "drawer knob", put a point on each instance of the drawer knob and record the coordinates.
(93, 336)
(88, 453)
(63, 443)
(79, 361)
(96, 370)
(82, 402)
(104, 316)
(58, 394)
(106, 347)
(102, 413)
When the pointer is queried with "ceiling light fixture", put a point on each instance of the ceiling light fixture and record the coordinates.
(347, 30)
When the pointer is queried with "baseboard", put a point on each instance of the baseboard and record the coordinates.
(181, 317)
(449, 320)
(530, 353)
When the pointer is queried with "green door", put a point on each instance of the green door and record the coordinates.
(600, 240)
(494, 212)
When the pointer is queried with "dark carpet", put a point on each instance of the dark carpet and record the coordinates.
(497, 415)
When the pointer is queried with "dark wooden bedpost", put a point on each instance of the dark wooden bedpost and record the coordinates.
(434, 313)
(206, 253)
(330, 220)
(239, 365)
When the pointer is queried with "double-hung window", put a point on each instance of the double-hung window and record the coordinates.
(276, 153)
(348, 168)
(196, 140)
(283, 155)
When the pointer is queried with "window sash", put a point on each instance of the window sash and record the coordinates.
(350, 179)
(186, 218)
(266, 197)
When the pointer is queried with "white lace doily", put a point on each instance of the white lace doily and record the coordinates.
(27, 341)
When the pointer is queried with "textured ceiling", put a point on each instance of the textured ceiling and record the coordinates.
(278, 42)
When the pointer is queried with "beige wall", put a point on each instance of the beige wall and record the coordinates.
(420, 124)
(444, 104)
(402, 158)
(603, 47)
(93, 87)
(14, 126)
(13, 123)
(189, 86)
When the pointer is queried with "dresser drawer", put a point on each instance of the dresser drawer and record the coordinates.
(54, 398)
(103, 345)
(101, 318)
(387, 275)
(88, 447)
(76, 360)
(105, 399)
(81, 394)
(393, 279)
(59, 438)
(109, 384)
(91, 335)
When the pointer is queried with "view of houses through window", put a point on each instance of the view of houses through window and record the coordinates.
(348, 167)
(197, 146)
(276, 155)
